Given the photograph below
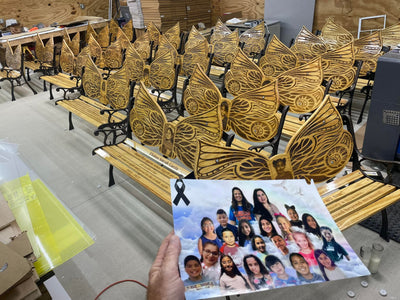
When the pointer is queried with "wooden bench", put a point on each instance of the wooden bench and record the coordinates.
(361, 194)
(64, 82)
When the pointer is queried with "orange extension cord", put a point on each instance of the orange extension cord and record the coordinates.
(118, 282)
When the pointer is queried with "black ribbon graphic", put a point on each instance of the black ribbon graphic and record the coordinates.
(180, 190)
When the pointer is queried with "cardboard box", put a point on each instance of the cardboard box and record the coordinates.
(15, 268)
(6, 215)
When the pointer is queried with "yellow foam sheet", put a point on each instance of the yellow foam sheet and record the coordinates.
(54, 233)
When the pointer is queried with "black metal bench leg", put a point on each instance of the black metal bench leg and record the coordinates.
(51, 91)
(12, 90)
(385, 226)
(71, 125)
(44, 86)
(28, 84)
(111, 180)
(363, 107)
(28, 75)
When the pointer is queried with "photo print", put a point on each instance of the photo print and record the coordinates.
(246, 236)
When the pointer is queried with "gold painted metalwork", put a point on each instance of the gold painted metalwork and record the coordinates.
(44, 54)
(111, 57)
(142, 46)
(73, 44)
(90, 31)
(174, 139)
(301, 88)
(244, 75)
(278, 58)
(252, 115)
(134, 64)
(335, 35)
(225, 49)
(113, 25)
(166, 46)
(196, 52)
(173, 35)
(391, 35)
(253, 40)
(103, 38)
(95, 49)
(70, 63)
(154, 33)
(318, 151)
(220, 31)
(338, 65)
(368, 49)
(160, 74)
(123, 39)
(12, 57)
(128, 30)
(308, 46)
(113, 90)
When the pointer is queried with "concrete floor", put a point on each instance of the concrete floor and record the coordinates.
(129, 223)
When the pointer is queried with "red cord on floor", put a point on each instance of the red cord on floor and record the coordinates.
(118, 282)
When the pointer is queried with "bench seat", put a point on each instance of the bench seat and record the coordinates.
(89, 110)
(355, 197)
(63, 81)
(148, 168)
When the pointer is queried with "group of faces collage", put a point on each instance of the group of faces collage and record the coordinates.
(257, 246)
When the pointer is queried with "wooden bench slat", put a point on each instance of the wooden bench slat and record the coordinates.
(368, 211)
(151, 184)
(61, 80)
(353, 188)
(340, 182)
(158, 158)
(370, 195)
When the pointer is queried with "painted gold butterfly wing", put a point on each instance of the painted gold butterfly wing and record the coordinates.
(253, 39)
(173, 35)
(92, 80)
(216, 162)
(154, 33)
(225, 49)
(243, 76)
(166, 46)
(201, 93)
(117, 93)
(95, 49)
(205, 127)
(44, 53)
(195, 55)
(73, 44)
(13, 58)
(123, 39)
(103, 37)
(335, 35)
(67, 59)
(134, 64)
(162, 72)
(253, 114)
(338, 66)
(113, 25)
(391, 35)
(220, 31)
(142, 46)
(368, 49)
(321, 148)
(90, 31)
(195, 38)
(300, 88)
(81, 60)
(147, 119)
(307, 46)
(128, 29)
(113, 55)
(277, 59)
